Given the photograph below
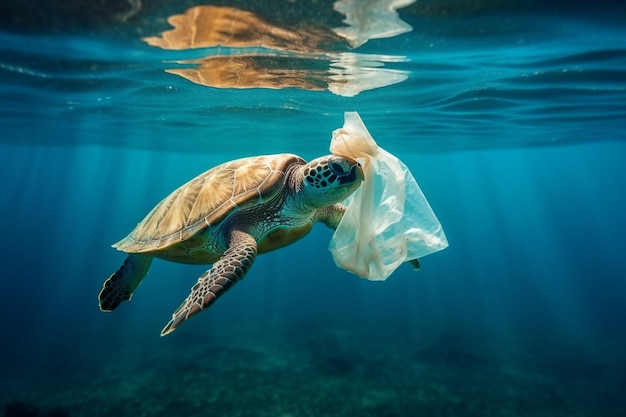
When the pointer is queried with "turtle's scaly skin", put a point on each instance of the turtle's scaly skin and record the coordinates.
(228, 215)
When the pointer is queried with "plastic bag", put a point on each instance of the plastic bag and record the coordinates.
(388, 219)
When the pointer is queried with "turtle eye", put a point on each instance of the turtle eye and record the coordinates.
(339, 167)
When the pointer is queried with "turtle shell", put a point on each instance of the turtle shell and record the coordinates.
(208, 199)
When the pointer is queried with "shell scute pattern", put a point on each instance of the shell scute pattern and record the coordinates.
(208, 199)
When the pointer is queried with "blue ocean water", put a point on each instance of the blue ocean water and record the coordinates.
(511, 117)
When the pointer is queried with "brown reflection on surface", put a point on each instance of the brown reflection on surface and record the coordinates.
(267, 56)
(210, 26)
(254, 71)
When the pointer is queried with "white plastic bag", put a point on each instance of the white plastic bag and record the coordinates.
(388, 220)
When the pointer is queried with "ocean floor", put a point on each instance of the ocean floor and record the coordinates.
(312, 369)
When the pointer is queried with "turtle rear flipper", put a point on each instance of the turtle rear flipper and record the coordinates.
(229, 269)
(121, 284)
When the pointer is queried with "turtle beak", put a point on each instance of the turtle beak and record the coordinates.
(355, 174)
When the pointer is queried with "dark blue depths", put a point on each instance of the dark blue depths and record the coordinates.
(522, 315)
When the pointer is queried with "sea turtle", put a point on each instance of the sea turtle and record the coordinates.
(228, 215)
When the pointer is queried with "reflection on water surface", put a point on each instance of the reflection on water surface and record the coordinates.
(245, 51)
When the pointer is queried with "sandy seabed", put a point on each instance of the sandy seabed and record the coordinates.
(314, 369)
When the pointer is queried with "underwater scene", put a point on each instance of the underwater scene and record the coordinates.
(509, 114)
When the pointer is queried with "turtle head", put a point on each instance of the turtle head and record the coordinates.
(329, 179)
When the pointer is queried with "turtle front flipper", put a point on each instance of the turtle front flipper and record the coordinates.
(229, 269)
(121, 284)
(331, 215)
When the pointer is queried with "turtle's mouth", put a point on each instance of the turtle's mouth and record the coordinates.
(351, 176)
